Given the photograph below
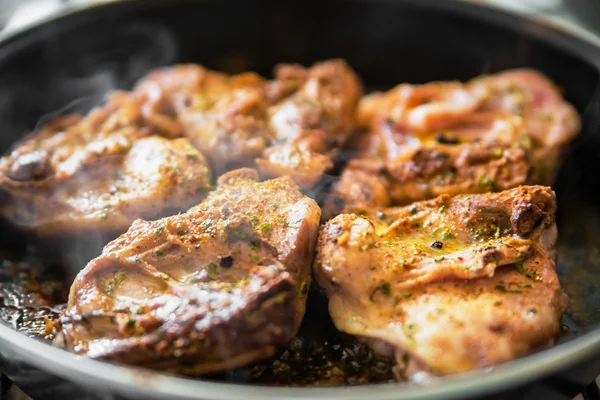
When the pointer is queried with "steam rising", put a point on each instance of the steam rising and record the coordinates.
(100, 74)
(101, 63)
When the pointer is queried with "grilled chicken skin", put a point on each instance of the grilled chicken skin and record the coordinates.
(215, 288)
(421, 141)
(446, 285)
(99, 173)
(286, 126)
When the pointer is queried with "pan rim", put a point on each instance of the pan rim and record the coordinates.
(138, 381)
(156, 385)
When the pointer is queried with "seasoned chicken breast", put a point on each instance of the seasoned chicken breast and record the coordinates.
(99, 173)
(215, 288)
(446, 285)
(421, 141)
(286, 126)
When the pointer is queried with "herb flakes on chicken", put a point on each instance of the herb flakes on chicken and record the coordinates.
(446, 285)
(212, 289)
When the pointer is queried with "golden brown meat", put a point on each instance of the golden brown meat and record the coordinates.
(209, 290)
(86, 173)
(313, 115)
(446, 285)
(426, 173)
(223, 115)
(549, 122)
(421, 141)
(289, 126)
(99, 173)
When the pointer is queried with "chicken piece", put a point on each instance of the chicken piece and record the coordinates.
(99, 173)
(421, 141)
(446, 285)
(223, 115)
(289, 125)
(205, 291)
(426, 173)
(312, 121)
(422, 108)
(549, 122)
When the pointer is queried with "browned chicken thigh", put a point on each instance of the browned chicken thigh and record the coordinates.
(549, 122)
(287, 126)
(421, 141)
(313, 116)
(99, 173)
(446, 285)
(215, 288)
(223, 115)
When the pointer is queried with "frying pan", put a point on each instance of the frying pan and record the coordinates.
(73, 59)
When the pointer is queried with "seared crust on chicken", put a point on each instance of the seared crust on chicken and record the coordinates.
(420, 141)
(426, 173)
(289, 126)
(549, 122)
(446, 285)
(99, 173)
(209, 290)
(223, 115)
(314, 115)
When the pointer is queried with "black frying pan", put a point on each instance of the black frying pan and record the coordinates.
(81, 55)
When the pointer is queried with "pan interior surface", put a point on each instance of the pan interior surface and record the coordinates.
(69, 63)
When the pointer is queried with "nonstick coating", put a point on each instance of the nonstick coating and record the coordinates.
(71, 61)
